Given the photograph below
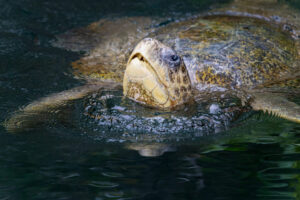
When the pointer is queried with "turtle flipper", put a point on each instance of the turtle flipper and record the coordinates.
(38, 112)
(107, 33)
(277, 105)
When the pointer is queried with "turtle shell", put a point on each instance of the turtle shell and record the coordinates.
(232, 52)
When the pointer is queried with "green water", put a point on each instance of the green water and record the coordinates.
(257, 158)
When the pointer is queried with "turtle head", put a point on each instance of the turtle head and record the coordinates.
(156, 76)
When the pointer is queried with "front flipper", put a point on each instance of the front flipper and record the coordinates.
(277, 105)
(38, 112)
(107, 45)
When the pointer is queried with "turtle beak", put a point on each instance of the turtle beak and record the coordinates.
(156, 76)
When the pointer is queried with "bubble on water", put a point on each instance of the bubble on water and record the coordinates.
(214, 109)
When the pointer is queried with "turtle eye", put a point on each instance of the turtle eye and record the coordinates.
(174, 58)
(174, 61)
(170, 58)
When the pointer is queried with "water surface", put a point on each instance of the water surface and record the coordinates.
(256, 158)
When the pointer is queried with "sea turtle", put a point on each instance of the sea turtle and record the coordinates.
(243, 48)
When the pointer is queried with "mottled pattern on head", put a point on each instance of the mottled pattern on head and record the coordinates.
(155, 75)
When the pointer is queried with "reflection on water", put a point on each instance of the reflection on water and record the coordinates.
(257, 158)
(261, 162)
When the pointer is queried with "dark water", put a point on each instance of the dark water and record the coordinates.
(257, 158)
